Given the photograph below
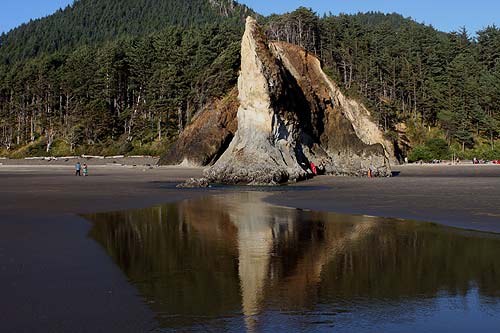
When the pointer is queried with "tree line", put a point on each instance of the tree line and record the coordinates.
(134, 92)
(131, 91)
(134, 88)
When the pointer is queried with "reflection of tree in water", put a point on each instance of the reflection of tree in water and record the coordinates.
(182, 274)
(220, 256)
(415, 259)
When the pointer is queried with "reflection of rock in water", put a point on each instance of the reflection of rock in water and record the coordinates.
(263, 234)
(255, 242)
(216, 257)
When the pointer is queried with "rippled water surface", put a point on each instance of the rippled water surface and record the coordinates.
(233, 263)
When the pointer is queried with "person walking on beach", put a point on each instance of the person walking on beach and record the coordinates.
(78, 168)
(85, 170)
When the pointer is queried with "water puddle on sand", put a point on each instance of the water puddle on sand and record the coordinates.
(233, 263)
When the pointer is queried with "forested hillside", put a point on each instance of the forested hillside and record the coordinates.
(90, 22)
(126, 76)
(114, 77)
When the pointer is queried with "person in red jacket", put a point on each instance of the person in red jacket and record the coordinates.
(313, 169)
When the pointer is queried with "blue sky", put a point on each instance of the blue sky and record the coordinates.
(446, 15)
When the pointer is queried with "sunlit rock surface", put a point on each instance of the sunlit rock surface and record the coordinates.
(266, 148)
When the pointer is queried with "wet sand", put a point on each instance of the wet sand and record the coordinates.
(466, 196)
(54, 278)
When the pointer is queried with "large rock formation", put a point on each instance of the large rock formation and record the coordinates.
(267, 146)
(290, 114)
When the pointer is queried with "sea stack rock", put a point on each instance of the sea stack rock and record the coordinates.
(266, 147)
(289, 115)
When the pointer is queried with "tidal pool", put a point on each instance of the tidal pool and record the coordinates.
(233, 263)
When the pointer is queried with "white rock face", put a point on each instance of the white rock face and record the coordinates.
(263, 150)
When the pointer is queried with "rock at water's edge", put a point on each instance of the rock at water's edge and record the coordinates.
(195, 183)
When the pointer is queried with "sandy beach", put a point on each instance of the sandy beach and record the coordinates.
(51, 270)
(464, 196)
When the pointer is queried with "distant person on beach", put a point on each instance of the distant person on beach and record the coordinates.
(78, 168)
(85, 170)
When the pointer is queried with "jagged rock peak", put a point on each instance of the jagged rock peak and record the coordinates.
(265, 149)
